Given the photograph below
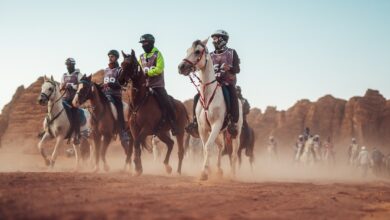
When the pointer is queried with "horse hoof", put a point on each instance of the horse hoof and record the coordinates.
(47, 162)
(168, 169)
(204, 176)
(52, 162)
(138, 173)
(106, 168)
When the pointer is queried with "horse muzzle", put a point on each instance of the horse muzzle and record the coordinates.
(185, 68)
(42, 100)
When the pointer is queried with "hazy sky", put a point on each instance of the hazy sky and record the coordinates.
(289, 49)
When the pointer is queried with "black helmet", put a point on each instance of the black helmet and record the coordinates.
(147, 38)
(221, 33)
(115, 53)
(70, 61)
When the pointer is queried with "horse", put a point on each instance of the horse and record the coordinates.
(308, 155)
(57, 124)
(103, 119)
(146, 116)
(211, 109)
(247, 143)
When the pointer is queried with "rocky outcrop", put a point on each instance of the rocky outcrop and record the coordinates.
(367, 118)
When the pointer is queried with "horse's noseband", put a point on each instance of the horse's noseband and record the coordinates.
(193, 64)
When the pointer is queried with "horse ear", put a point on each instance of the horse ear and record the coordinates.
(44, 78)
(123, 53)
(132, 53)
(51, 78)
(204, 42)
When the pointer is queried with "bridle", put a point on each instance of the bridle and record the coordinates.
(52, 119)
(193, 64)
(202, 85)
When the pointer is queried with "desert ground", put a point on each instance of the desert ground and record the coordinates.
(271, 190)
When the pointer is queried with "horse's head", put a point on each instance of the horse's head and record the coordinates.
(195, 59)
(84, 91)
(48, 90)
(130, 66)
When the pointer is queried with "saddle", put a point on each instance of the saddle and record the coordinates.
(81, 115)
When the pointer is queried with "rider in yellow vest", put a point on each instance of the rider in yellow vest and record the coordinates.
(152, 63)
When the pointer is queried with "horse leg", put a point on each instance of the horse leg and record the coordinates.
(55, 151)
(239, 157)
(180, 144)
(137, 155)
(128, 155)
(77, 154)
(236, 145)
(164, 137)
(106, 142)
(220, 150)
(207, 148)
(41, 150)
(97, 141)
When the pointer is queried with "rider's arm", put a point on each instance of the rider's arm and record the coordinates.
(62, 84)
(236, 63)
(156, 71)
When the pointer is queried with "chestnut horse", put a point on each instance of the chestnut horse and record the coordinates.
(146, 116)
(103, 120)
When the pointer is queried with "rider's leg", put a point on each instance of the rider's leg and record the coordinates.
(166, 106)
(192, 128)
(121, 119)
(234, 111)
(76, 125)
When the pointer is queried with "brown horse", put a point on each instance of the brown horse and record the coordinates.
(146, 117)
(247, 143)
(103, 121)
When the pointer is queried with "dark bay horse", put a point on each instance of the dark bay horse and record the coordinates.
(146, 117)
(103, 121)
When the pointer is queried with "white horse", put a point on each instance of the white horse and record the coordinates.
(308, 156)
(211, 108)
(272, 151)
(56, 122)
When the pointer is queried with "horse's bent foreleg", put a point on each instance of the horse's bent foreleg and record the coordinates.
(41, 150)
(164, 137)
(55, 151)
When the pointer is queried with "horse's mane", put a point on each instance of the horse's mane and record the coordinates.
(100, 92)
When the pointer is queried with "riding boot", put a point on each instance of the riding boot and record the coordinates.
(123, 135)
(76, 126)
(234, 111)
(192, 128)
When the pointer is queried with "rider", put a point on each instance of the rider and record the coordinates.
(364, 160)
(69, 82)
(112, 88)
(299, 146)
(152, 63)
(353, 151)
(226, 66)
(306, 133)
(245, 104)
(273, 145)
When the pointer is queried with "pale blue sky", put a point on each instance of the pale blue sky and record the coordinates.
(289, 49)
